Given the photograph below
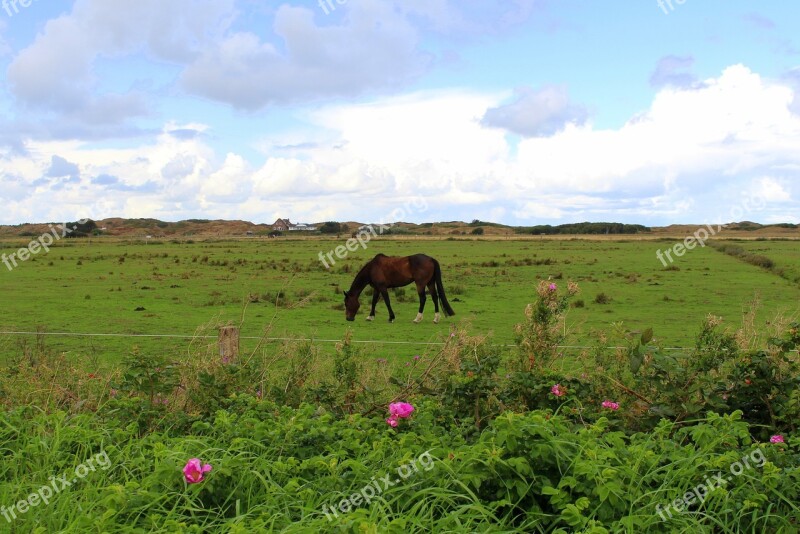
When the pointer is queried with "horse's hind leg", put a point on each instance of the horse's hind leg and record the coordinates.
(435, 297)
(421, 293)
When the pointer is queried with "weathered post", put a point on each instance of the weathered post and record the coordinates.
(228, 343)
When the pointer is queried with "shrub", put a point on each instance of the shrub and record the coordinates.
(602, 298)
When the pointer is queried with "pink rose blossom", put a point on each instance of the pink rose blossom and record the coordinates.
(401, 409)
(392, 421)
(777, 438)
(558, 391)
(610, 405)
(194, 471)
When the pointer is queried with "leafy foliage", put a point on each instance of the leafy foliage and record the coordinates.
(525, 444)
(331, 227)
(584, 228)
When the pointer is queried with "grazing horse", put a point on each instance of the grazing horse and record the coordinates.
(385, 272)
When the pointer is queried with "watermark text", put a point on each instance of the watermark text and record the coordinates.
(42, 242)
(701, 491)
(57, 484)
(378, 485)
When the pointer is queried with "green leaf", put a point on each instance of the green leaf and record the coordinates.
(636, 360)
(647, 336)
(572, 516)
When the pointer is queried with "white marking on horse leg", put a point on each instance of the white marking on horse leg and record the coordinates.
(436, 318)
(419, 318)
(370, 318)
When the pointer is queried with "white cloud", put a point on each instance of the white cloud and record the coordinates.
(772, 190)
(536, 113)
(57, 72)
(673, 71)
(690, 155)
(731, 126)
(372, 48)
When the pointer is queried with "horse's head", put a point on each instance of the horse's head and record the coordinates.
(351, 305)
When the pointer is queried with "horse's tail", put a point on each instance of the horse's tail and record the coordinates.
(437, 274)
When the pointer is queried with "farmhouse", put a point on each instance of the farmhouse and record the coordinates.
(281, 225)
(301, 227)
(284, 225)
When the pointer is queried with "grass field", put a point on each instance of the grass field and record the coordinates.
(530, 441)
(176, 288)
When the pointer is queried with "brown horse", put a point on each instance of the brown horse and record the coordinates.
(385, 272)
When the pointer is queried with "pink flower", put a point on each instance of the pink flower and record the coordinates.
(610, 405)
(552, 287)
(777, 438)
(416, 358)
(400, 409)
(392, 421)
(558, 391)
(193, 471)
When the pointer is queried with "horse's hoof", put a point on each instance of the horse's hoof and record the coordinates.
(391, 320)
(436, 319)
(418, 319)
(370, 318)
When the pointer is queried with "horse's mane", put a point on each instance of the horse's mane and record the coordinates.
(362, 279)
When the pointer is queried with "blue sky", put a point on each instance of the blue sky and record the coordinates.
(518, 111)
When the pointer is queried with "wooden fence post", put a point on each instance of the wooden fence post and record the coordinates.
(229, 343)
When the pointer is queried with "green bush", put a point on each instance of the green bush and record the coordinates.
(617, 440)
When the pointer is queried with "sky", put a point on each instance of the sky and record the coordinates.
(520, 112)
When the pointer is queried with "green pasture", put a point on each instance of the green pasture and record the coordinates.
(184, 288)
(784, 253)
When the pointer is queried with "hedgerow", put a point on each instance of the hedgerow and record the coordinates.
(633, 439)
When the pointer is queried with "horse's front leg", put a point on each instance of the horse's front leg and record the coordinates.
(375, 296)
(385, 294)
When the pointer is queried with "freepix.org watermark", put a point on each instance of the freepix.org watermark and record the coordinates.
(57, 484)
(701, 491)
(42, 242)
(702, 234)
(667, 5)
(11, 7)
(378, 485)
(366, 233)
(329, 6)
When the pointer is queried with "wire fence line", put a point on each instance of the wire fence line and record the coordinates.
(277, 339)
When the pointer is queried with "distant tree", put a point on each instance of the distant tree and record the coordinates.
(477, 231)
(585, 228)
(80, 229)
(331, 227)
